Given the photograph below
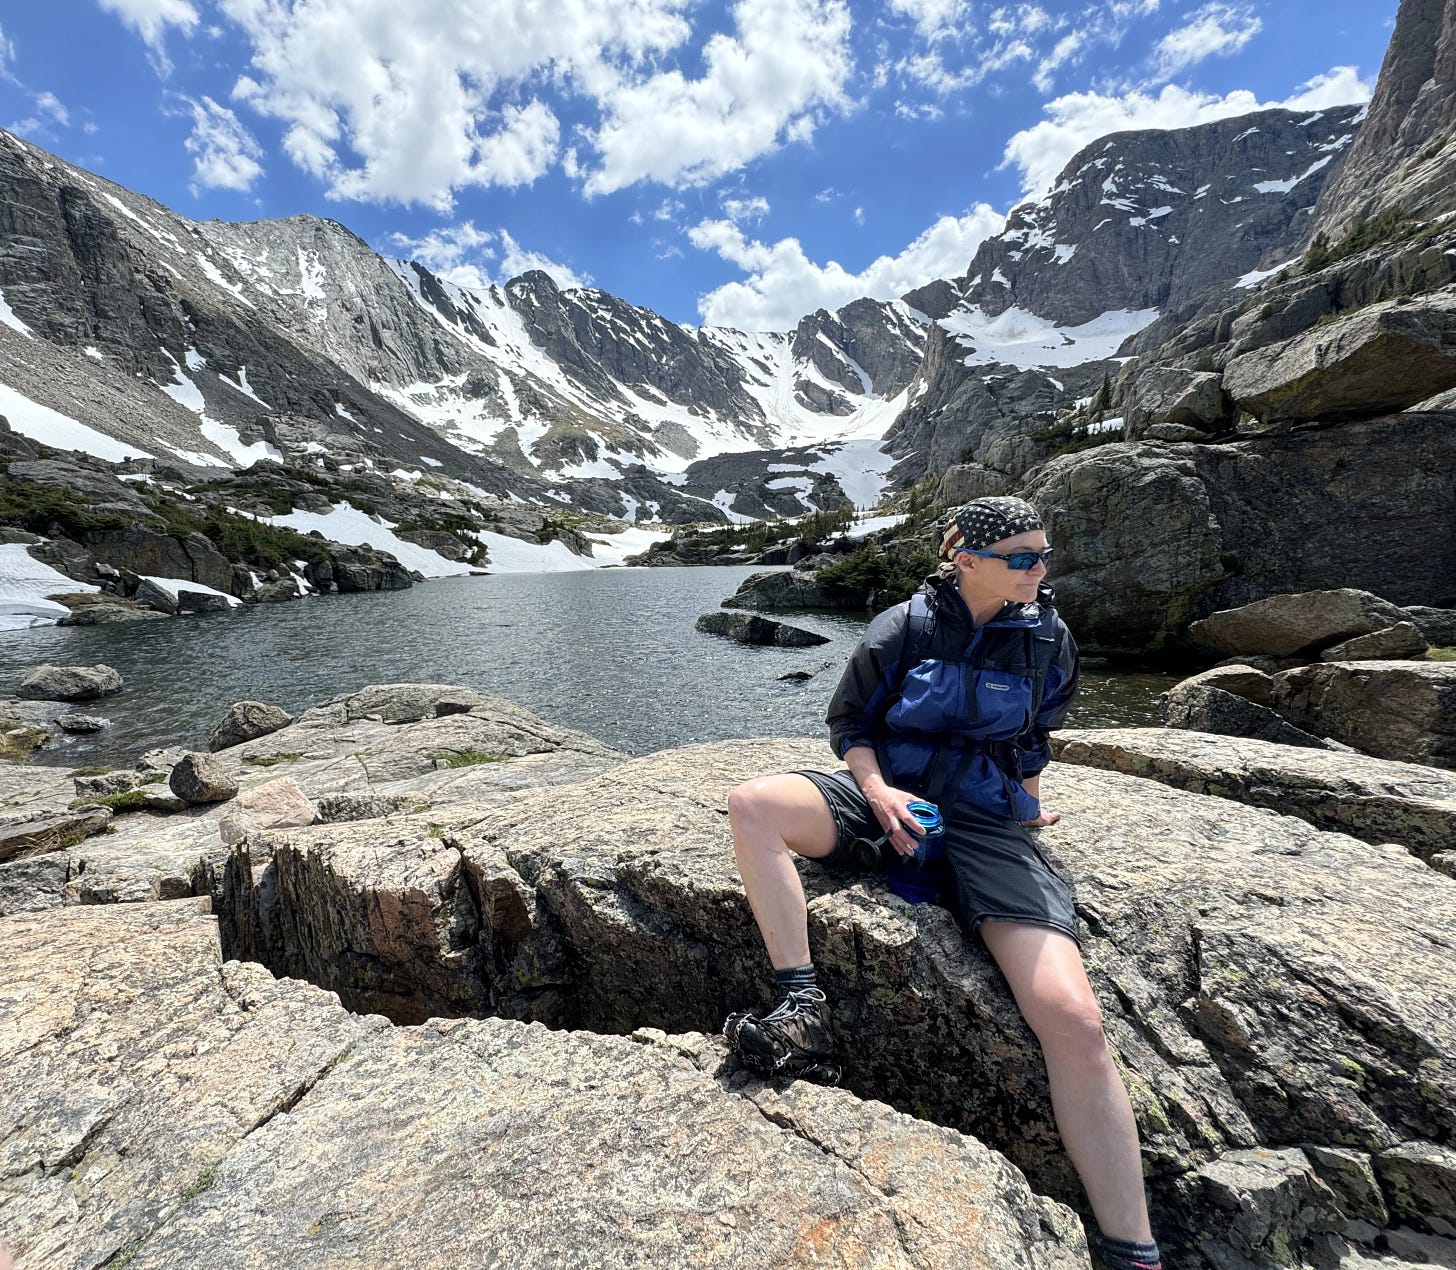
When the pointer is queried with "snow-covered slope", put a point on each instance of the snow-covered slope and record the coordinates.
(217, 344)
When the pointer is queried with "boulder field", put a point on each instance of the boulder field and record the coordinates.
(502, 953)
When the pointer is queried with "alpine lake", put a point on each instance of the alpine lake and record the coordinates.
(610, 652)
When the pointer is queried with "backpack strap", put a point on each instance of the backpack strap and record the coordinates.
(914, 644)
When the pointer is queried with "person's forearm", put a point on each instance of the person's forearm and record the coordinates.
(1032, 785)
(864, 766)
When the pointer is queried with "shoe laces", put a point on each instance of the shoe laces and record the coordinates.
(796, 1001)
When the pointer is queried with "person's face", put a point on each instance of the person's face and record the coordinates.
(995, 579)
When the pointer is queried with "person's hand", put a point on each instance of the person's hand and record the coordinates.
(1042, 821)
(890, 807)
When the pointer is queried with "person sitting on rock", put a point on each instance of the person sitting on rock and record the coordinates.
(948, 698)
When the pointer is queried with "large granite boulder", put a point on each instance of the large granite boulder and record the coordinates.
(785, 591)
(1290, 625)
(1402, 710)
(69, 683)
(226, 1108)
(1204, 707)
(749, 628)
(245, 721)
(1251, 1001)
(200, 778)
(1171, 394)
(1372, 799)
(1151, 537)
(1398, 642)
(961, 482)
(1382, 358)
(146, 553)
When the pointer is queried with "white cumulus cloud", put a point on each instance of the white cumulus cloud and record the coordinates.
(461, 94)
(465, 255)
(151, 18)
(224, 153)
(789, 61)
(1216, 30)
(783, 283)
(411, 110)
(1077, 119)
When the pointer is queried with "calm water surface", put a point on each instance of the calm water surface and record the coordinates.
(611, 652)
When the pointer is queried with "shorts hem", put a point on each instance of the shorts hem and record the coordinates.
(1026, 919)
(842, 833)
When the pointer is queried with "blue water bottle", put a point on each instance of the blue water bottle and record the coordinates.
(916, 877)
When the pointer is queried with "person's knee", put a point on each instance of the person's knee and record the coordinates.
(1070, 1026)
(749, 809)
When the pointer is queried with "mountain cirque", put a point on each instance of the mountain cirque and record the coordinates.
(1279, 997)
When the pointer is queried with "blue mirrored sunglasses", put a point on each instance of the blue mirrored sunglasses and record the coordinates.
(1016, 559)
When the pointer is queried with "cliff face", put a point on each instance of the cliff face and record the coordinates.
(1405, 155)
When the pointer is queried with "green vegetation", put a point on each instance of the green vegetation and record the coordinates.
(873, 570)
(1441, 654)
(18, 744)
(129, 800)
(759, 535)
(203, 1182)
(467, 758)
(1394, 224)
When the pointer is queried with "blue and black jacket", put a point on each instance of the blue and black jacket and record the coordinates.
(959, 724)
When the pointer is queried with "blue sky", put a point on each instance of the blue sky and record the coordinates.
(741, 163)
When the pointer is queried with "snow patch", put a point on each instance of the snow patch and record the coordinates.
(347, 524)
(1019, 338)
(228, 440)
(7, 315)
(1283, 187)
(24, 584)
(41, 423)
(1255, 276)
(173, 586)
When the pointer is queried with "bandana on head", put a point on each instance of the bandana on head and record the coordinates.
(983, 521)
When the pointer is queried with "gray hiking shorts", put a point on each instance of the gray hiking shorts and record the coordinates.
(996, 872)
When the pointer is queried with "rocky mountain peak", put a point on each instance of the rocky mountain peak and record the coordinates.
(1405, 155)
(1162, 219)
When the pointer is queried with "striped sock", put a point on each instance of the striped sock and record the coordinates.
(1122, 1254)
(795, 977)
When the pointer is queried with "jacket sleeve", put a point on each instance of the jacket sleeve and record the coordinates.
(869, 680)
(1063, 676)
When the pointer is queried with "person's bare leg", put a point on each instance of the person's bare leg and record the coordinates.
(772, 818)
(1094, 1115)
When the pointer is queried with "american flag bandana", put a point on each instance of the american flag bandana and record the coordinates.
(983, 521)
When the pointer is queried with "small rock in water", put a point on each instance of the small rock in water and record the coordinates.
(246, 721)
(201, 778)
(803, 676)
(69, 683)
(82, 722)
(749, 628)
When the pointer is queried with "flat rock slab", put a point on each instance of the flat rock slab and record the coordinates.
(1368, 798)
(384, 749)
(1250, 999)
(165, 1109)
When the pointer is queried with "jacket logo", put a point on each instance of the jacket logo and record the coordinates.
(998, 687)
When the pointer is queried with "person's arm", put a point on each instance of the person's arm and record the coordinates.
(870, 677)
(1035, 749)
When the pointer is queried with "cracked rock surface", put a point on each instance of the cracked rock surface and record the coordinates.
(168, 1110)
(1267, 986)
(1369, 798)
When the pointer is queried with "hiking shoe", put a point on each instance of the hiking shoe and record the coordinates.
(793, 1040)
